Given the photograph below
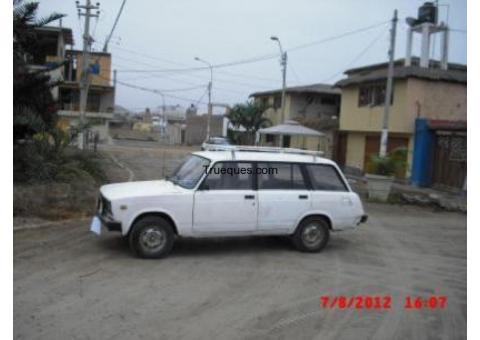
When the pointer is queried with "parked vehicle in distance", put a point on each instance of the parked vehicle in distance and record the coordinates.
(221, 141)
(236, 192)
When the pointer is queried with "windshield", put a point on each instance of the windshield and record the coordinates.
(190, 171)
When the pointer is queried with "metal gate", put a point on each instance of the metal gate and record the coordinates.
(450, 159)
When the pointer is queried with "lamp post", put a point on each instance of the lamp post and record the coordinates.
(283, 63)
(209, 116)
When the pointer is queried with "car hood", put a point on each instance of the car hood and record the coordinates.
(139, 189)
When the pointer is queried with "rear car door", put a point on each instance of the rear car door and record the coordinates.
(226, 200)
(283, 195)
(331, 195)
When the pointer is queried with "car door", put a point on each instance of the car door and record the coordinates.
(331, 195)
(226, 201)
(283, 195)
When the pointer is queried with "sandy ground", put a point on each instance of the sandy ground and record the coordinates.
(69, 283)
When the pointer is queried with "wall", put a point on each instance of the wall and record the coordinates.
(196, 130)
(299, 106)
(355, 150)
(105, 61)
(296, 105)
(428, 99)
(365, 118)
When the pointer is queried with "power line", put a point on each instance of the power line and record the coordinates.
(160, 92)
(357, 57)
(263, 57)
(339, 36)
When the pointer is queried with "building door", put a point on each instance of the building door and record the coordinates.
(450, 160)
(286, 142)
(340, 148)
(372, 147)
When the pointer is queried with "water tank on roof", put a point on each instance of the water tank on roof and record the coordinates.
(428, 12)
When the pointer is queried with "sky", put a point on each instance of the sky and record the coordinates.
(155, 37)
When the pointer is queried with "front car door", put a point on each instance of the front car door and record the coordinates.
(283, 195)
(226, 201)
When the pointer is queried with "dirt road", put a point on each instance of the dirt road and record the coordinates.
(69, 283)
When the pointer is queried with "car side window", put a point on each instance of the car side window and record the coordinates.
(229, 176)
(286, 176)
(325, 177)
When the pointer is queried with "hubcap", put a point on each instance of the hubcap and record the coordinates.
(312, 235)
(152, 238)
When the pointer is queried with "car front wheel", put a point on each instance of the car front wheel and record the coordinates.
(152, 237)
(312, 235)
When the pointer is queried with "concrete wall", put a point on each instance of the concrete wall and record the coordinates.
(436, 100)
(105, 61)
(297, 105)
(300, 106)
(370, 118)
(196, 130)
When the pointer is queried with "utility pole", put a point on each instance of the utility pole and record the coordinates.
(283, 63)
(210, 107)
(84, 81)
(105, 46)
(388, 94)
(284, 84)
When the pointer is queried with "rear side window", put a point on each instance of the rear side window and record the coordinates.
(230, 176)
(325, 177)
(284, 176)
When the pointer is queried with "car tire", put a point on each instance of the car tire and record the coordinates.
(311, 235)
(152, 237)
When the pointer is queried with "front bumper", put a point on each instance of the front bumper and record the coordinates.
(110, 223)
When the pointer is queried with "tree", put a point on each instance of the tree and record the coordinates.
(250, 116)
(34, 109)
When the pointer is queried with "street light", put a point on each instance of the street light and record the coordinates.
(209, 116)
(283, 63)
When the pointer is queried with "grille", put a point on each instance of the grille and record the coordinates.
(104, 207)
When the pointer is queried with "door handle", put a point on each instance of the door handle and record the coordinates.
(303, 197)
(249, 197)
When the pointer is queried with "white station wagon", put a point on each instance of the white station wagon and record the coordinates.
(235, 192)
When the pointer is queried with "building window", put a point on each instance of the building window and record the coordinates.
(269, 138)
(328, 101)
(372, 95)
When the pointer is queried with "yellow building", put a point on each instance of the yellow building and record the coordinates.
(315, 106)
(430, 93)
(101, 93)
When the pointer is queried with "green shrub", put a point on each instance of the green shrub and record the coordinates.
(393, 163)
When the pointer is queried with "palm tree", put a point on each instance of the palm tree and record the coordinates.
(24, 23)
(249, 116)
(33, 106)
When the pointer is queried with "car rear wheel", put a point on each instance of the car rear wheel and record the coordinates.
(152, 237)
(312, 235)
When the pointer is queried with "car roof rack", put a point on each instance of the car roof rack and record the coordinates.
(250, 148)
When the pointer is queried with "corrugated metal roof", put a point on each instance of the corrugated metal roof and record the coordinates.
(313, 88)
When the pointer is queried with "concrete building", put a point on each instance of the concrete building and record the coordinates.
(432, 94)
(315, 106)
(64, 65)
(50, 55)
(101, 93)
